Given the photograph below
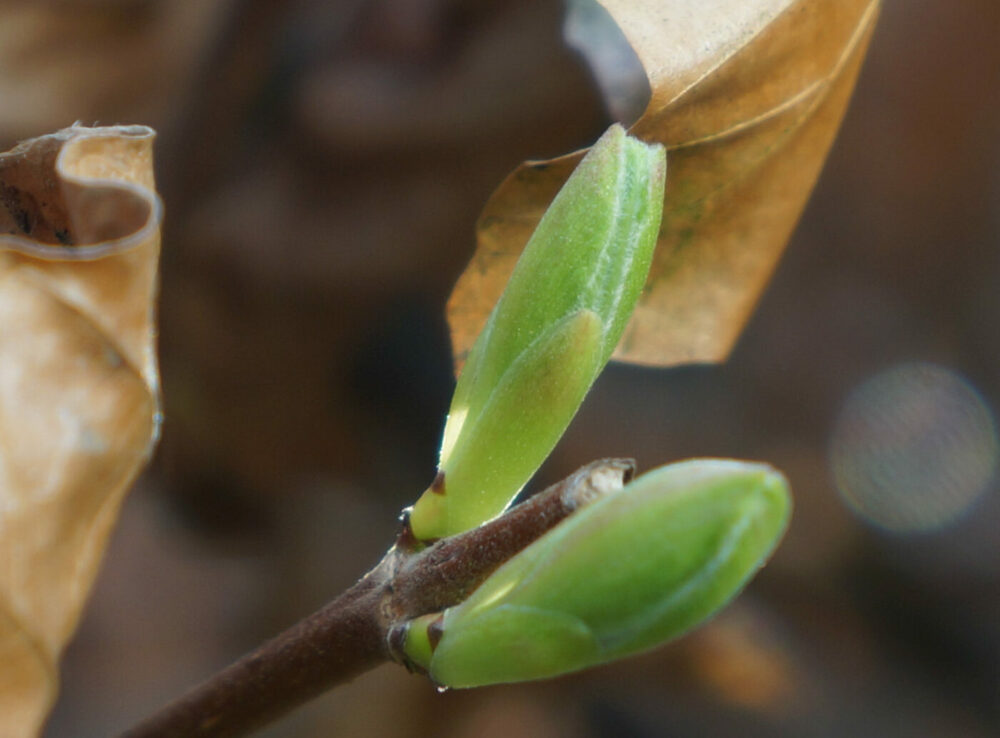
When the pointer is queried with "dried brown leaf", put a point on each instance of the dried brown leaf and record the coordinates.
(79, 243)
(747, 95)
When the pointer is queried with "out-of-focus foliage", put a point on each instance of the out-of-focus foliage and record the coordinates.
(63, 61)
(747, 97)
(79, 247)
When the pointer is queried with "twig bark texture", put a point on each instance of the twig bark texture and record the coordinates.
(350, 635)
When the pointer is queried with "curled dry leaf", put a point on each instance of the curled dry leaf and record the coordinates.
(79, 242)
(747, 95)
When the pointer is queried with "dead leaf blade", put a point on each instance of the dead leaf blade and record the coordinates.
(79, 245)
(747, 96)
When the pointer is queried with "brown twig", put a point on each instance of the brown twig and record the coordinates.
(350, 634)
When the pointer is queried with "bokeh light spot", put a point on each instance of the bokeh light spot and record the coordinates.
(913, 448)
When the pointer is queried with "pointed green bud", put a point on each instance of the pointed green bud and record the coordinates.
(550, 378)
(629, 572)
(557, 323)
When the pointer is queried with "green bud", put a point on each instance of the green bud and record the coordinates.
(551, 377)
(629, 572)
(558, 321)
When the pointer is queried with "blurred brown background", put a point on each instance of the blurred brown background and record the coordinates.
(322, 165)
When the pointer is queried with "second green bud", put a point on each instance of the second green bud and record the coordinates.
(624, 574)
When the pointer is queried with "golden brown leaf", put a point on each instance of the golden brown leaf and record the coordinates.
(747, 95)
(79, 242)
